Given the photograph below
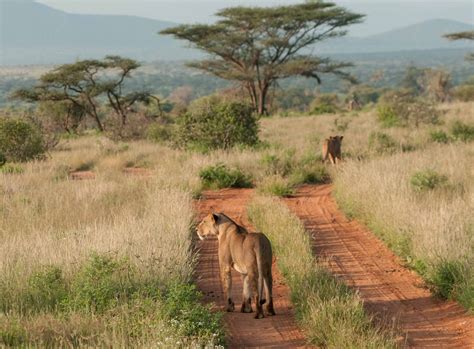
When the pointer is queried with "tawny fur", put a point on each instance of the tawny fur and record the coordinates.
(248, 253)
(332, 149)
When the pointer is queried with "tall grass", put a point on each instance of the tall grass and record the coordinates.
(104, 262)
(330, 313)
(421, 204)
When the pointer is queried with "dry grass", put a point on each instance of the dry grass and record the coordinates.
(428, 228)
(306, 133)
(139, 225)
(330, 313)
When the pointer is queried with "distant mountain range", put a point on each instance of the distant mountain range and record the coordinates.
(33, 33)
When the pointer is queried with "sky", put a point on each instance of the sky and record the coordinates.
(382, 15)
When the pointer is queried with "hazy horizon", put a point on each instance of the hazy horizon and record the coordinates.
(381, 15)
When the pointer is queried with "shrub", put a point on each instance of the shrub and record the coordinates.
(325, 104)
(100, 284)
(462, 131)
(3, 159)
(388, 116)
(276, 185)
(464, 93)
(220, 176)
(190, 318)
(440, 137)
(158, 133)
(211, 123)
(427, 180)
(309, 174)
(47, 289)
(20, 141)
(382, 143)
(446, 277)
(276, 165)
(401, 108)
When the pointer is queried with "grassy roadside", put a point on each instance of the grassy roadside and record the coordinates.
(101, 263)
(420, 204)
(330, 313)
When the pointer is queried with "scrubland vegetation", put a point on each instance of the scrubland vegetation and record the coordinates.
(106, 262)
(109, 261)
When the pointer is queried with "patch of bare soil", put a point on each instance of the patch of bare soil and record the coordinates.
(279, 331)
(81, 175)
(390, 291)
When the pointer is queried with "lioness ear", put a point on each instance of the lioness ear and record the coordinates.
(341, 137)
(215, 217)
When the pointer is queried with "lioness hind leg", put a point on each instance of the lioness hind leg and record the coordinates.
(259, 304)
(246, 296)
(226, 280)
(269, 292)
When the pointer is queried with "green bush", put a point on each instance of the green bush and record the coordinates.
(401, 108)
(325, 104)
(440, 137)
(220, 176)
(276, 185)
(464, 93)
(309, 174)
(212, 123)
(100, 284)
(158, 133)
(3, 159)
(447, 277)
(427, 180)
(462, 132)
(387, 116)
(189, 317)
(20, 141)
(278, 165)
(382, 143)
(47, 289)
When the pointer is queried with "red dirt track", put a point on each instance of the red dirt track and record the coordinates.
(279, 331)
(392, 293)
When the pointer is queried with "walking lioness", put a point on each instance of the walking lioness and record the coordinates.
(248, 253)
(332, 149)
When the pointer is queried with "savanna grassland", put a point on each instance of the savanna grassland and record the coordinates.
(109, 261)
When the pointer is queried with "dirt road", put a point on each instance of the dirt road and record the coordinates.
(243, 330)
(390, 291)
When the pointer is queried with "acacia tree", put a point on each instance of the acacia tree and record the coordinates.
(469, 35)
(81, 84)
(257, 46)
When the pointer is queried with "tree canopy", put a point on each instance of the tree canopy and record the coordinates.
(257, 46)
(76, 88)
(468, 35)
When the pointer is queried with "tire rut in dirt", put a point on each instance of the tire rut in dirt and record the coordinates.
(395, 295)
(243, 330)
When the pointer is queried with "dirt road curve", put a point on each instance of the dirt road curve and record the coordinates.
(243, 330)
(389, 291)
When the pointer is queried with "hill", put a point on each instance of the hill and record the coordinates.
(33, 33)
(427, 35)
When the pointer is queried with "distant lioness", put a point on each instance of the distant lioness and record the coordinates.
(248, 253)
(332, 149)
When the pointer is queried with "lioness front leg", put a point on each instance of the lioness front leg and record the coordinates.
(226, 279)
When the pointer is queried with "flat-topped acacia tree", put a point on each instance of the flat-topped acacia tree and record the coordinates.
(256, 46)
(469, 35)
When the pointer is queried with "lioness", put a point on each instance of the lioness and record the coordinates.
(248, 253)
(332, 149)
